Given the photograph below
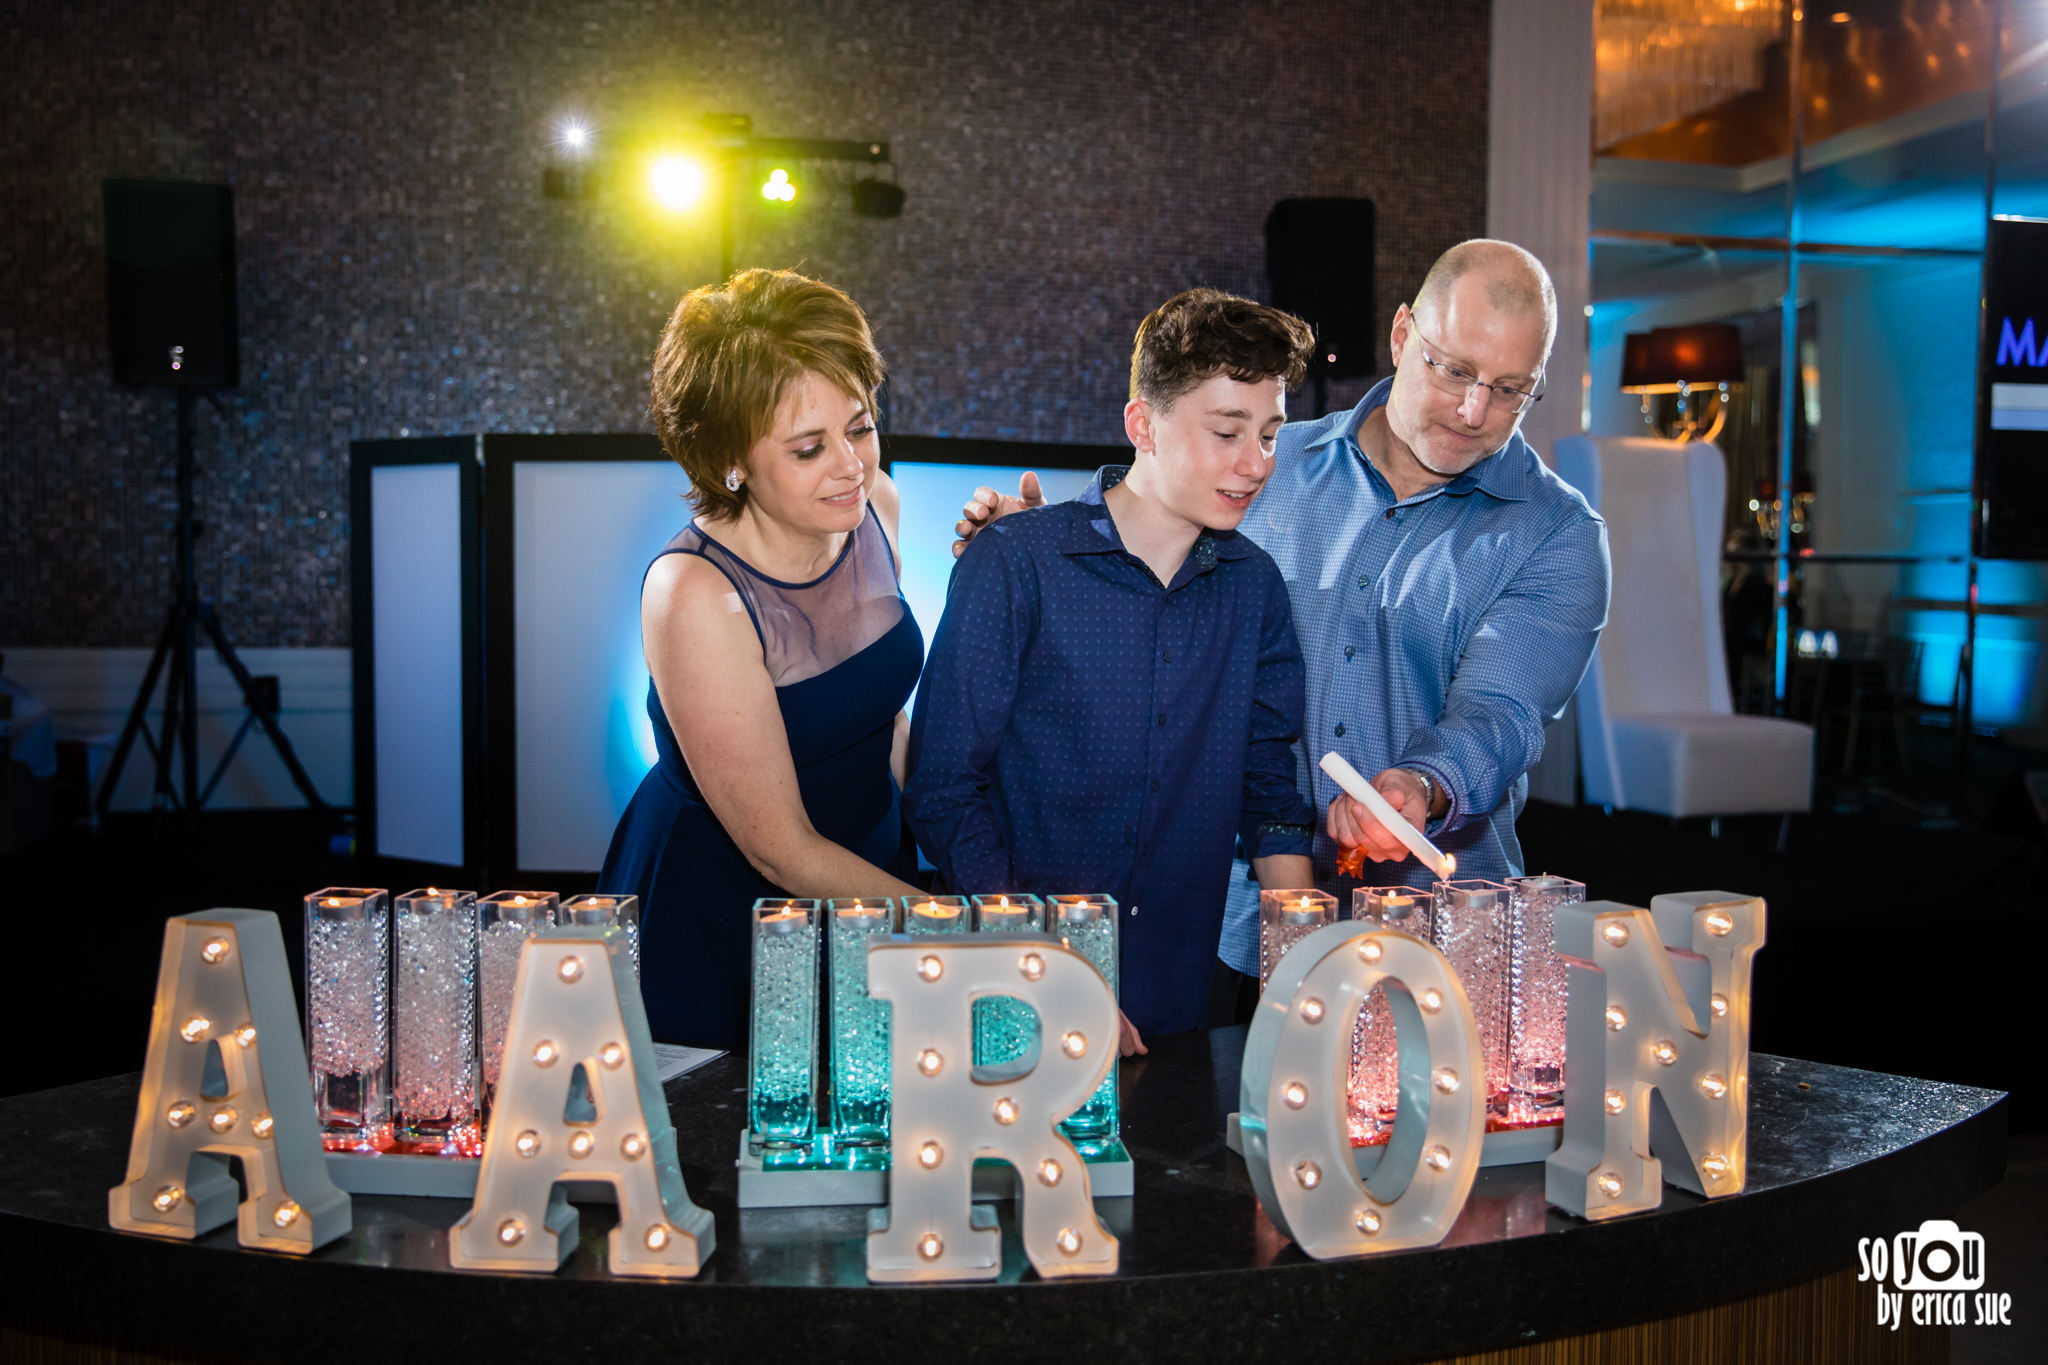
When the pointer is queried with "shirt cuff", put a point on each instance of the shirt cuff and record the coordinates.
(1443, 783)
(1278, 838)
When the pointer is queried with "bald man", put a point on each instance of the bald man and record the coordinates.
(1447, 587)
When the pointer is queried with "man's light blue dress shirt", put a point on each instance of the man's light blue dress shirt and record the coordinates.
(1441, 632)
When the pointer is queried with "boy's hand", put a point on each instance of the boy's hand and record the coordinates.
(987, 505)
(1128, 1042)
(1351, 825)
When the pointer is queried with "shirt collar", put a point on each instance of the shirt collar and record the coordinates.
(1507, 474)
(1094, 531)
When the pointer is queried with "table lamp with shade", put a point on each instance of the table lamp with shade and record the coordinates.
(1703, 357)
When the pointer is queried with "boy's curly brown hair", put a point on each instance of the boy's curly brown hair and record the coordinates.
(1201, 333)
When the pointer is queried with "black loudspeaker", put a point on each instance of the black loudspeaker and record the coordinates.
(1319, 267)
(171, 283)
(2012, 403)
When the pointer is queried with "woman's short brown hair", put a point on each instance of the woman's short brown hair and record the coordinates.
(1201, 333)
(727, 357)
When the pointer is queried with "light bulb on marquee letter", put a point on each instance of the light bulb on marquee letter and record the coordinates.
(228, 965)
(592, 1018)
(1649, 1018)
(942, 1119)
(1292, 1095)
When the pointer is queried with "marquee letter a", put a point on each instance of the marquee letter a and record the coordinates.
(226, 1078)
(576, 1012)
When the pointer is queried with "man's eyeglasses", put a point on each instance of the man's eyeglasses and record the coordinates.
(1452, 379)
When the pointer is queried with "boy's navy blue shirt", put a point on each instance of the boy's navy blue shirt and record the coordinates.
(1080, 728)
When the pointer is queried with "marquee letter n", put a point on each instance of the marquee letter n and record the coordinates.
(1657, 1051)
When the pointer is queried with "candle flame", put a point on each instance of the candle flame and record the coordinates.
(1006, 903)
(1304, 902)
(1450, 866)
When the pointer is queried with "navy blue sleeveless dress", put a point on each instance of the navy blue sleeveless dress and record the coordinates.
(844, 653)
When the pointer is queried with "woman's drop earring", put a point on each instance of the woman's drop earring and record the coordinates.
(732, 479)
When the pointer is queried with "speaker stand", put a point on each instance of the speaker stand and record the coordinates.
(178, 646)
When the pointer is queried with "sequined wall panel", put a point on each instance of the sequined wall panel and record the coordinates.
(1068, 166)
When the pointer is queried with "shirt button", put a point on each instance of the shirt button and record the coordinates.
(1340, 729)
(1350, 650)
(1167, 656)
(1162, 718)
(1390, 514)
(1155, 784)
(1365, 580)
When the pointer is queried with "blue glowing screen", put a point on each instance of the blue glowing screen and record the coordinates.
(933, 495)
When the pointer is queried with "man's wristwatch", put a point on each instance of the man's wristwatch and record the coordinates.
(1428, 792)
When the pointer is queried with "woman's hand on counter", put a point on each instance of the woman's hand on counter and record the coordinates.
(1128, 1042)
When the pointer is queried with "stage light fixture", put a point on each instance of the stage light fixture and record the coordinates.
(568, 182)
(570, 174)
(677, 181)
(877, 199)
(778, 186)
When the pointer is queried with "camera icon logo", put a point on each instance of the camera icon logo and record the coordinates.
(1939, 1257)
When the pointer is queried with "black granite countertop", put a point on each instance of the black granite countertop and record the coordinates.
(1835, 1155)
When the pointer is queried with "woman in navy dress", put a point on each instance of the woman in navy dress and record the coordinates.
(780, 647)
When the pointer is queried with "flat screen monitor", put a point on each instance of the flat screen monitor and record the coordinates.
(2012, 440)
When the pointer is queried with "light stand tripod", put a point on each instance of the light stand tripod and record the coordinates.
(179, 645)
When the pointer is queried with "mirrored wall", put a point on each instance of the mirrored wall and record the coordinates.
(1853, 434)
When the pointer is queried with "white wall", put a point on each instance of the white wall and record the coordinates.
(1539, 176)
(1539, 193)
(89, 691)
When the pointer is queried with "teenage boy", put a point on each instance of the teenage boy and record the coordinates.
(1113, 694)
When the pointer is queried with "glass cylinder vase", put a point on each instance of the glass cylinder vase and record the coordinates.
(1469, 924)
(935, 915)
(1005, 1029)
(782, 1088)
(348, 1012)
(433, 1021)
(1088, 925)
(859, 1023)
(1403, 908)
(1285, 919)
(1538, 983)
(600, 909)
(1373, 1096)
(505, 920)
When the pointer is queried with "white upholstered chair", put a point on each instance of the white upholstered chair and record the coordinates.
(1657, 729)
